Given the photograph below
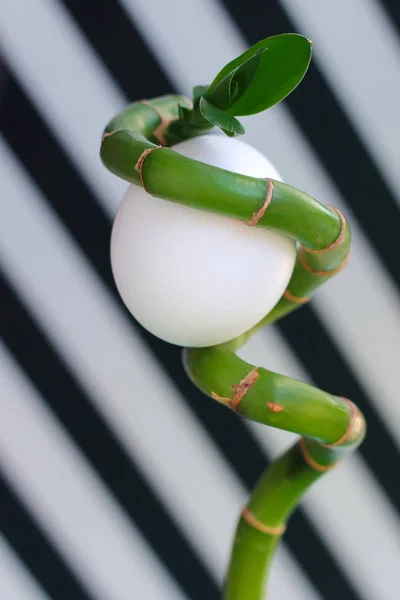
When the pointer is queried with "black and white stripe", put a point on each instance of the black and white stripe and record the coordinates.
(124, 478)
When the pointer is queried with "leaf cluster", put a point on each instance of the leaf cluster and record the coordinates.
(259, 78)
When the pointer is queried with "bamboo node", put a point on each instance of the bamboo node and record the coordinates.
(159, 131)
(339, 240)
(313, 463)
(296, 299)
(274, 407)
(307, 267)
(140, 162)
(354, 428)
(260, 213)
(254, 522)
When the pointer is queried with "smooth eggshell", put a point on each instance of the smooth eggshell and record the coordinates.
(193, 278)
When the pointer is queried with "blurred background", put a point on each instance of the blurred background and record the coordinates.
(118, 479)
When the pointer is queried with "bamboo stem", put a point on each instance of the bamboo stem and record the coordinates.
(329, 426)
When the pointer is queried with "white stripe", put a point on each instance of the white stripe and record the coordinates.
(16, 583)
(358, 49)
(70, 70)
(360, 307)
(72, 506)
(347, 506)
(177, 47)
(111, 364)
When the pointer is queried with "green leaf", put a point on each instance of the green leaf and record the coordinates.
(231, 88)
(262, 76)
(243, 76)
(198, 91)
(229, 124)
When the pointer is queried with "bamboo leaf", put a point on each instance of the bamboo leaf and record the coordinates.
(262, 76)
(228, 123)
(233, 86)
(198, 91)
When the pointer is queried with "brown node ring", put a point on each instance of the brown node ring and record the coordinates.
(339, 240)
(296, 299)
(260, 213)
(140, 162)
(159, 131)
(354, 414)
(254, 522)
(311, 462)
(307, 267)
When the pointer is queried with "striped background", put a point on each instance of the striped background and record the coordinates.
(118, 480)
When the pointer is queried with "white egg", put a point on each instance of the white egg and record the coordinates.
(193, 278)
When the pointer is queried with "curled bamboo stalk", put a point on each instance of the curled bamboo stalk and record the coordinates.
(135, 147)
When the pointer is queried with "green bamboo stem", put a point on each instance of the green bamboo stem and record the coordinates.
(329, 426)
(284, 403)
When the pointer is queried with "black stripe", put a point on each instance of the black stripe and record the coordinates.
(117, 41)
(90, 432)
(322, 120)
(25, 132)
(392, 7)
(41, 558)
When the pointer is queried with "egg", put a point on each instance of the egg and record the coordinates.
(193, 278)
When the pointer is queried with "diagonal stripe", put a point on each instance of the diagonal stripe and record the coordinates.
(16, 582)
(98, 444)
(68, 500)
(358, 71)
(362, 532)
(71, 62)
(34, 548)
(392, 7)
(118, 43)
